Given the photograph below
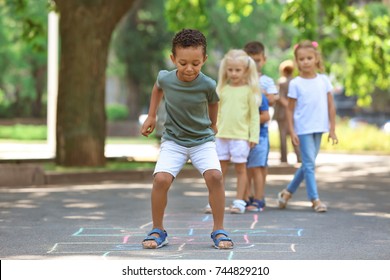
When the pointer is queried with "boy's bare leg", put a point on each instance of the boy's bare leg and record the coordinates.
(241, 180)
(216, 189)
(259, 174)
(249, 190)
(264, 171)
(161, 184)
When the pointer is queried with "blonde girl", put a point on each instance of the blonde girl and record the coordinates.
(238, 117)
(310, 113)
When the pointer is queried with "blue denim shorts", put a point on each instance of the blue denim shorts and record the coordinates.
(258, 155)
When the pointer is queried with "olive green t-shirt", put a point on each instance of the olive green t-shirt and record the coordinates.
(187, 121)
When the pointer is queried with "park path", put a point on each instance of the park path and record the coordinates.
(109, 220)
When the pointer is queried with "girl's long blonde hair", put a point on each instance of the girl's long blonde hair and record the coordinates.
(251, 75)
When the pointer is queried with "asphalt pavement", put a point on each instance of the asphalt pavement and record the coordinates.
(109, 220)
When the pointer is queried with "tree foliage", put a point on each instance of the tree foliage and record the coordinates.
(354, 39)
(145, 55)
(23, 31)
(177, 14)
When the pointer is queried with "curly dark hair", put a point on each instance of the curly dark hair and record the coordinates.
(189, 38)
(253, 48)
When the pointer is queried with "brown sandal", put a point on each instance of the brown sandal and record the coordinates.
(319, 206)
(283, 198)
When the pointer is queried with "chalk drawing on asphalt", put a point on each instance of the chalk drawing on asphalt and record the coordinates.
(192, 238)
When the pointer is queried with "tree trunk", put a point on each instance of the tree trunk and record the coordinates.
(85, 30)
(39, 74)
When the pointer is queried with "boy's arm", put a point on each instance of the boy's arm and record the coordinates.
(271, 92)
(332, 119)
(264, 116)
(150, 122)
(213, 115)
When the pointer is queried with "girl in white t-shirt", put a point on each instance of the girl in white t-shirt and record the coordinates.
(310, 113)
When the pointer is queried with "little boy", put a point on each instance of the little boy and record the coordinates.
(257, 163)
(258, 157)
(256, 50)
(191, 103)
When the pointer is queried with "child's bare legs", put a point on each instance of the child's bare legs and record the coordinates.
(241, 180)
(161, 184)
(224, 168)
(214, 182)
(249, 190)
(259, 175)
(241, 177)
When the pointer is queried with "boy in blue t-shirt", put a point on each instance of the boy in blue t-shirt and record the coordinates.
(258, 157)
(257, 163)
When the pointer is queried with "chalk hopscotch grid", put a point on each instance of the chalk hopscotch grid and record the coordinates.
(195, 237)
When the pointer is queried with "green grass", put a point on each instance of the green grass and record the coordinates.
(132, 140)
(351, 140)
(110, 166)
(23, 132)
(366, 139)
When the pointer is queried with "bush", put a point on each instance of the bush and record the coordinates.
(117, 112)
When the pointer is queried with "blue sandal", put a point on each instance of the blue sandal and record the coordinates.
(161, 240)
(256, 206)
(216, 240)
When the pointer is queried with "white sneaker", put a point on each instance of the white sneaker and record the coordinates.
(238, 207)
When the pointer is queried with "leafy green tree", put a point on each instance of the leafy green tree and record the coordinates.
(149, 53)
(355, 40)
(354, 37)
(232, 23)
(23, 57)
(262, 24)
(85, 29)
(141, 43)
(358, 36)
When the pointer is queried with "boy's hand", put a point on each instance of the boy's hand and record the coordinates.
(332, 136)
(272, 98)
(148, 126)
(215, 128)
(252, 144)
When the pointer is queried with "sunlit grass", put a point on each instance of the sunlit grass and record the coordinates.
(132, 140)
(23, 132)
(110, 166)
(366, 138)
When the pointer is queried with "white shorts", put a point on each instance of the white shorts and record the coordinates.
(173, 157)
(236, 151)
